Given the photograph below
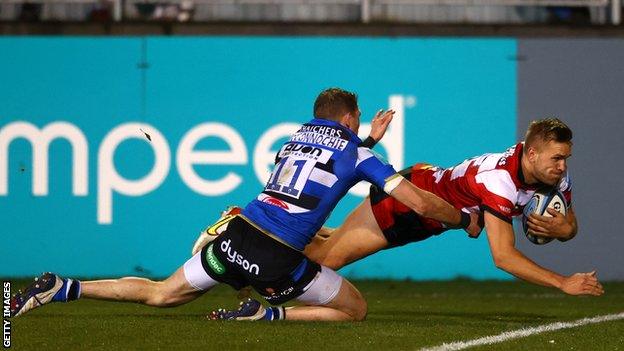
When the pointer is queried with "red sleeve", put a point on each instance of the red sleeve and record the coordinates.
(497, 193)
(497, 205)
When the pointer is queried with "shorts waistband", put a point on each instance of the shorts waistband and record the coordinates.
(270, 235)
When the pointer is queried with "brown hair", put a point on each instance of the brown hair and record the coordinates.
(546, 130)
(333, 103)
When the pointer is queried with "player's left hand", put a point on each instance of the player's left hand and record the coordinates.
(380, 124)
(556, 226)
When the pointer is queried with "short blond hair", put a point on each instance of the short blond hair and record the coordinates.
(548, 129)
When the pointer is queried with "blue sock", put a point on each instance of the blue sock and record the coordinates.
(274, 313)
(69, 291)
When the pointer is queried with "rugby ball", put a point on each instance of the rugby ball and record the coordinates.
(542, 199)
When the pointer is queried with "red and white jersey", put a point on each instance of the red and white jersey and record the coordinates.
(491, 182)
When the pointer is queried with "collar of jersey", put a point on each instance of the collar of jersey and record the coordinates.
(520, 173)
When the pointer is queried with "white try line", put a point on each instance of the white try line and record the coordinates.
(521, 333)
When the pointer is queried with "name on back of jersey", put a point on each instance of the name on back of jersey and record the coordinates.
(321, 135)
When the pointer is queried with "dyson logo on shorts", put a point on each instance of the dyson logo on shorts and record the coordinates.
(237, 258)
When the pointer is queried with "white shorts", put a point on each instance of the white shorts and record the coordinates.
(196, 276)
(323, 289)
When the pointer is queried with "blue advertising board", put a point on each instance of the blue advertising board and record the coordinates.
(84, 192)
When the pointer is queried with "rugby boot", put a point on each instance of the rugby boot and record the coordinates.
(46, 288)
(250, 310)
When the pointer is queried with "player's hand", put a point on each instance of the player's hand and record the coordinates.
(582, 284)
(380, 123)
(556, 226)
(476, 225)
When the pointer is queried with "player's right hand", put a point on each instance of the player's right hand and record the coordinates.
(582, 284)
(380, 123)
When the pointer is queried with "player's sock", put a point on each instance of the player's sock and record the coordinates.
(274, 313)
(70, 291)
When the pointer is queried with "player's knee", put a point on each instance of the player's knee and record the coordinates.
(164, 297)
(361, 310)
(357, 307)
(163, 300)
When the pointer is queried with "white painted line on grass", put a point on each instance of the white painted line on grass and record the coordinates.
(521, 333)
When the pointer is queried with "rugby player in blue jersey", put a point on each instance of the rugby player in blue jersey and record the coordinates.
(262, 246)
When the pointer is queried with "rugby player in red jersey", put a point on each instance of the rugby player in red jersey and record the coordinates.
(498, 185)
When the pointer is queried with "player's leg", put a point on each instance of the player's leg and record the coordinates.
(173, 291)
(358, 237)
(329, 298)
(186, 284)
(324, 233)
(280, 273)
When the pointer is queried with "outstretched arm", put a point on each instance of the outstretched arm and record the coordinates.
(508, 258)
(430, 205)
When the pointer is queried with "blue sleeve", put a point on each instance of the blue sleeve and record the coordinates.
(371, 168)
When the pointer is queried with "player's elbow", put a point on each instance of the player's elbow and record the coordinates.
(501, 260)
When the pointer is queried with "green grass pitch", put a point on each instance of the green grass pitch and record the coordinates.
(402, 316)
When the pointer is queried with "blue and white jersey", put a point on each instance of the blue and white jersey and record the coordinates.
(313, 171)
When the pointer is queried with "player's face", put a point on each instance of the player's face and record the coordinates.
(550, 161)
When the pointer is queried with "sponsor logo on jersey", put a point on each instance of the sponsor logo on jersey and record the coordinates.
(237, 258)
(213, 261)
(504, 208)
(275, 202)
(302, 150)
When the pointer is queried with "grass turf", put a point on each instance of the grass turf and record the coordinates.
(402, 315)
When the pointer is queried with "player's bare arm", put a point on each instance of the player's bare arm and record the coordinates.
(562, 227)
(360, 234)
(508, 258)
(430, 205)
